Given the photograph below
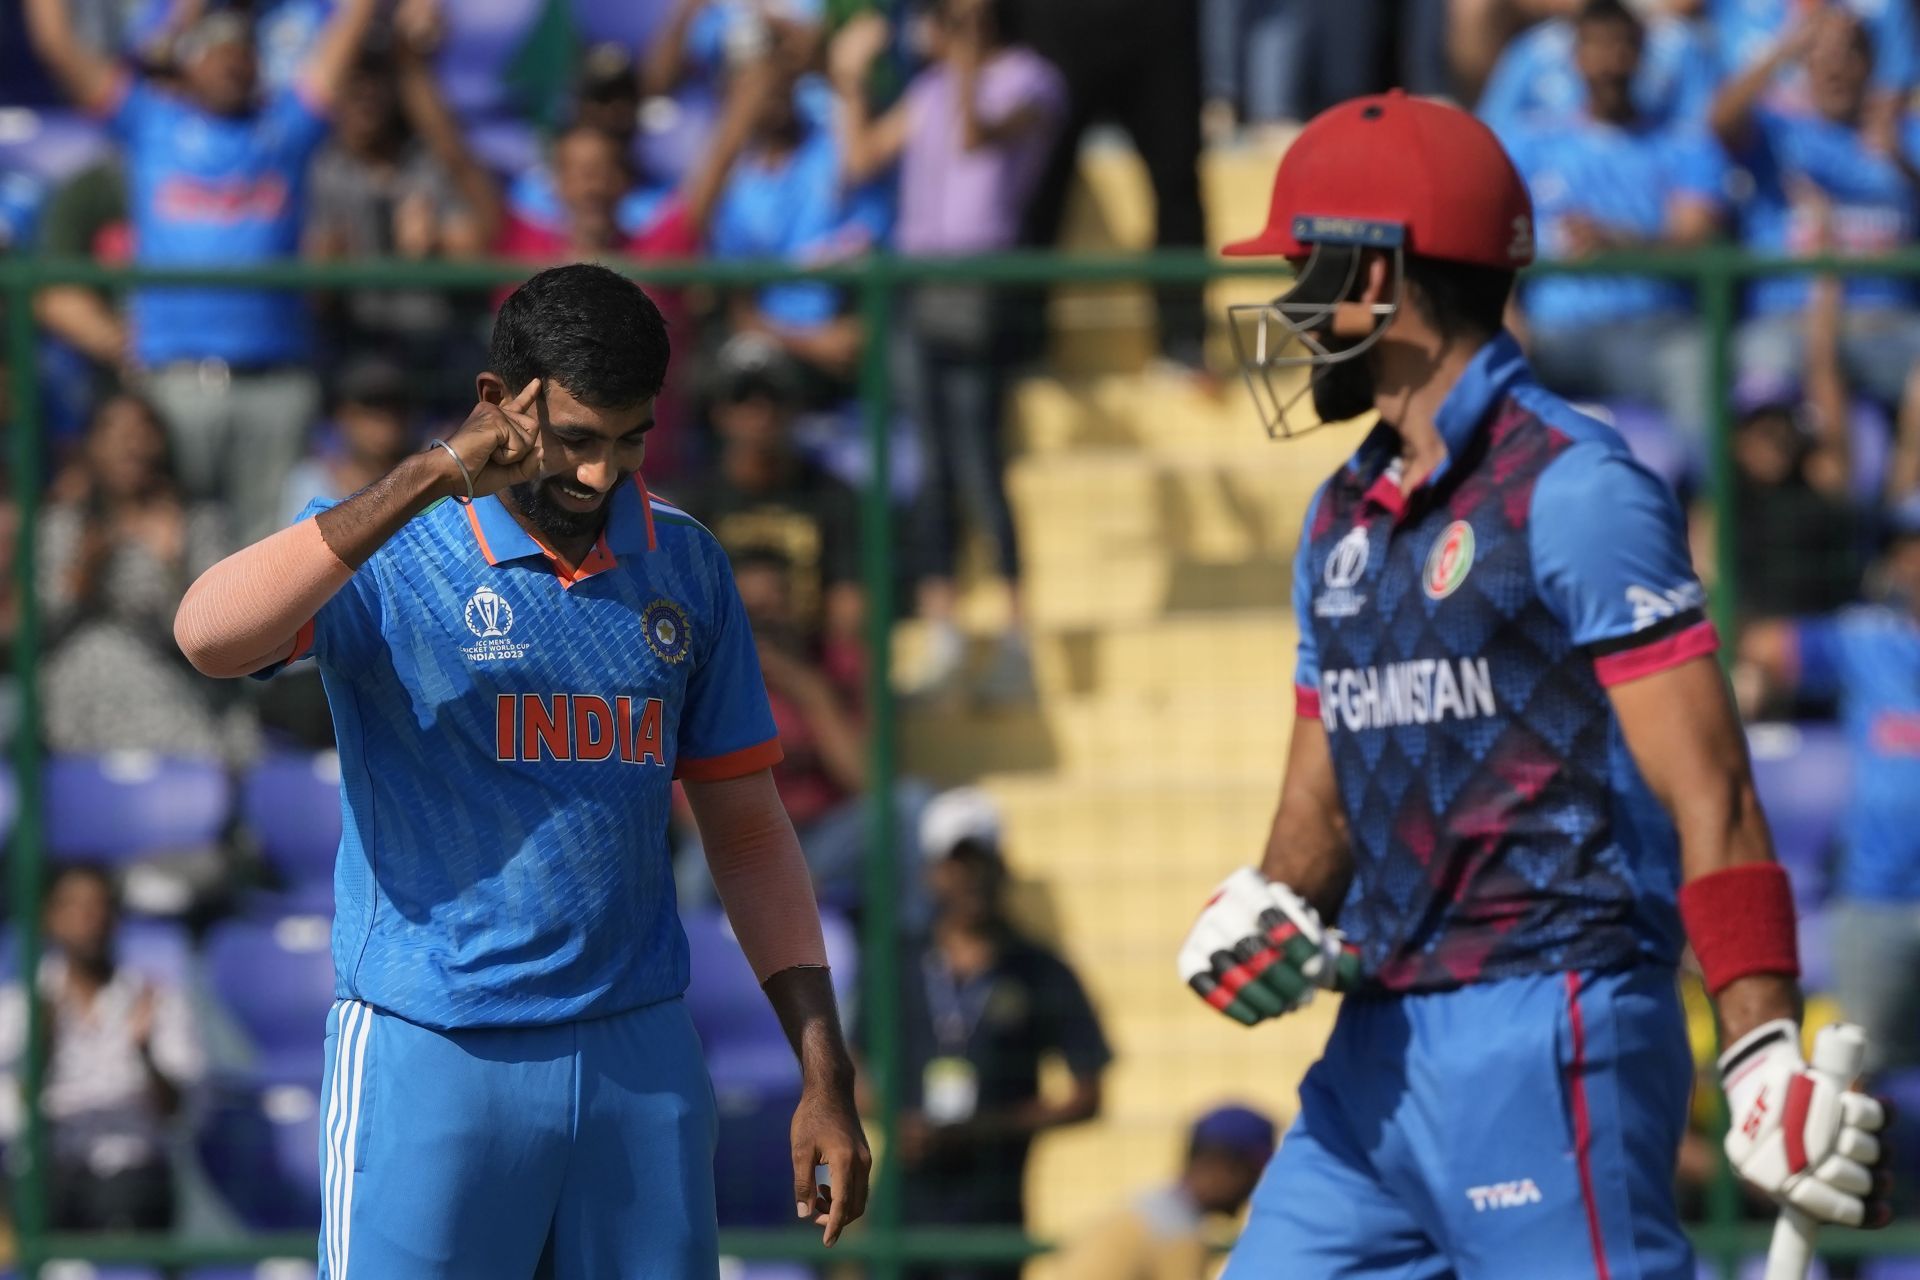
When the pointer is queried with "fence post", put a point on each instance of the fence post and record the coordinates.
(1718, 284)
(28, 853)
(880, 928)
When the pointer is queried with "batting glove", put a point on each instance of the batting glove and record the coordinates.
(1259, 950)
(1797, 1136)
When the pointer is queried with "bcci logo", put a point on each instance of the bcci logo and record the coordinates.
(1346, 565)
(1448, 562)
(666, 630)
(489, 614)
(490, 617)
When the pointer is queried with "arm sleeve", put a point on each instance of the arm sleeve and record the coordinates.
(761, 878)
(1610, 559)
(726, 726)
(1306, 665)
(1071, 1026)
(1698, 168)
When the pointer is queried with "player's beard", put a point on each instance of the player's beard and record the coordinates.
(537, 503)
(1343, 389)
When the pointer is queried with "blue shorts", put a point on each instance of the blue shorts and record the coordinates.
(581, 1151)
(1527, 1127)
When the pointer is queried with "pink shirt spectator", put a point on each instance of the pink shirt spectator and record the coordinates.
(957, 201)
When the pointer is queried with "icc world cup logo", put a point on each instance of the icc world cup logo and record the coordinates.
(488, 614)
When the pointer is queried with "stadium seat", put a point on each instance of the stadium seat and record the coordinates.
(1890, 1269)
(1802, 772)
(272, 1269)
(261, 1150)
(483, 43)
(291, 802)
(276, 977)
(756, 1082)
(122, 806)
(160, 949)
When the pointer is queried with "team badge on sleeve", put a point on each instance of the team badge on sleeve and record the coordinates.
(667, 632)
(1449, 561)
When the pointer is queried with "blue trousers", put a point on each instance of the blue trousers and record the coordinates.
(1527, 1127)
(580, 1151)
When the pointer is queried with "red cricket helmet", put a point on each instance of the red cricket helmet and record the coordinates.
(1389, 172)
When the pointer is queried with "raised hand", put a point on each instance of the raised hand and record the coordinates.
(499, 444)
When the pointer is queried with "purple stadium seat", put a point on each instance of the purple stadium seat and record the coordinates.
(160, 949)
(1890, 1269)
(292, 803)
(276, 977)
(483, 38)
(756, 1082)
(120, 807)
(261, 1151)
(274, 1269)
(1803, 772)
(631, 23)
(1753, 1269)
(9, 802)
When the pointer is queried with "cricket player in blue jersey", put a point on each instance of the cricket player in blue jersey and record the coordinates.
(522, 650)
(1517, 785)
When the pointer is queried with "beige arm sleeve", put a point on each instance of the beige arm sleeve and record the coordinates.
(757, 867)
(247, 612)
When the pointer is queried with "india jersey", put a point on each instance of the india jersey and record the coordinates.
(1457, 643)
(1868, 659)
(509, 734)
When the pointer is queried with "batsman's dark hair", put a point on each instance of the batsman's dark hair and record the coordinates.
(591, 330)
(1458, 299)
(1607, 11)
(81, 870)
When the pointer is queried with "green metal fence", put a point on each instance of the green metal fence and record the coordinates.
(885, 1244)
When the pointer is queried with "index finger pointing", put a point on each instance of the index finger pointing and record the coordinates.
(524, 401)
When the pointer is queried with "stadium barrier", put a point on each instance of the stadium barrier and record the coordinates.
(883, 1243)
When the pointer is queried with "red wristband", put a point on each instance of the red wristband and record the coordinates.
(1740, 921)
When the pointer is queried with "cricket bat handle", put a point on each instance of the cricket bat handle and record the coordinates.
(1839, 1051)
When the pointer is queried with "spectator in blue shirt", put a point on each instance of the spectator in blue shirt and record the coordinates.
(216, 176)
(1827, 177)
(1867, 660)
(790, 196)
(1745, 32)
(1536, 79)
(1608, 179)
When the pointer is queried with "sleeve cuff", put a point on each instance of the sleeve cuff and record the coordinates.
(302, 646)
(734, 764)
(1306, 701)
(1660, 653)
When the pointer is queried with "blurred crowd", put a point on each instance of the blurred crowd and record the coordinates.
(182, 422)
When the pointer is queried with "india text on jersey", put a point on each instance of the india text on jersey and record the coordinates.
(579, 726)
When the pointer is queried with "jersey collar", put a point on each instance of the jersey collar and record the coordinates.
(629, 531)
(1489, 378)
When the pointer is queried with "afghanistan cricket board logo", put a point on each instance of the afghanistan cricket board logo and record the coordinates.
(668, 635)
(490, 618)
(1449, 561)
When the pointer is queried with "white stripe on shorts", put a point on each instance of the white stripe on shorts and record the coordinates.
(343, 1108)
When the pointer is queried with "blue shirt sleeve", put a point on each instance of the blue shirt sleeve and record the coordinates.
(1610, 553)
(726, 716)
(1697, 167)
(1306, 665)
(296, 130)
(142, 109)
(1820, 650)
(1896, 47)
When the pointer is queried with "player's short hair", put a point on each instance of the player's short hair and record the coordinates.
(1594, 11)
(82, 870)
(589, 329)
(1459, 299)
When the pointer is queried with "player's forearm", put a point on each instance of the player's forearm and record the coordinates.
(809, 1014)
(1307, 846)
(246, 612)
(759, 872)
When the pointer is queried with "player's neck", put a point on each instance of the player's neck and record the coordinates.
(1414, 410)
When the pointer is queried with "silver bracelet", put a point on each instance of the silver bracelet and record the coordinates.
(452, 453)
